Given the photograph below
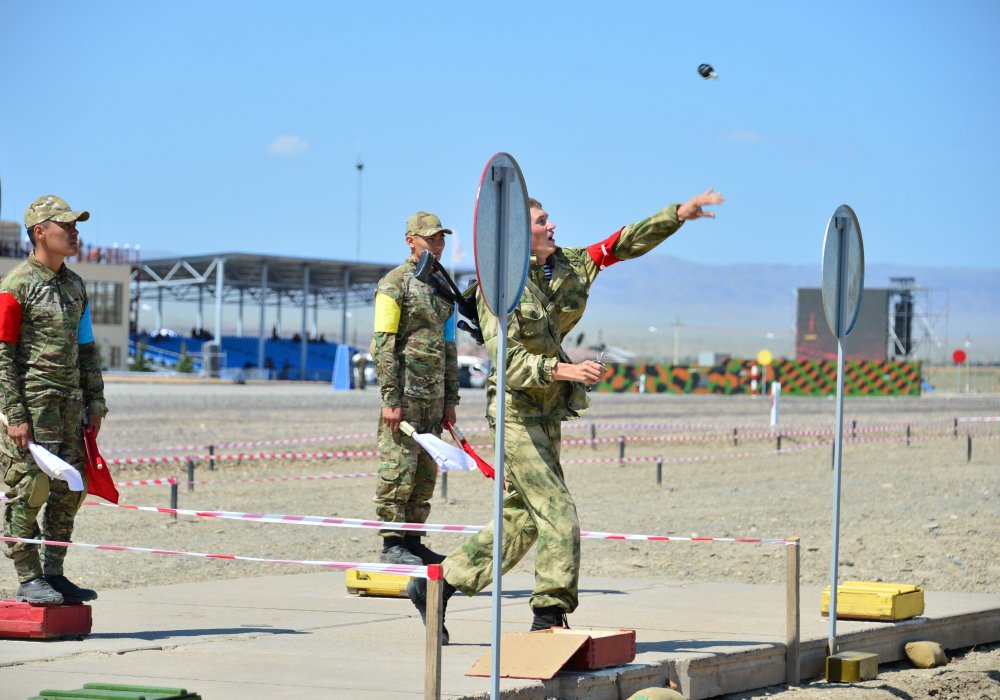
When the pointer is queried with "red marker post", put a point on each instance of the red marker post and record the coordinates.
(959, 357)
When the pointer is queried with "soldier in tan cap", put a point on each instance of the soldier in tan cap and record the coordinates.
(417, 365)
(50, 383)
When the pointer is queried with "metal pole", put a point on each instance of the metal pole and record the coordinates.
(839, 429)
(239, 315)
(173, 496)
(190, 475)
(159, 308)
(304, 352)
(659, 470)
(343, 301)
(792, 611)
(501, 176)
(220, 277)
(263, 313)
(361, 168)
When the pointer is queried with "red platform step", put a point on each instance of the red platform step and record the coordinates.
(26, 621)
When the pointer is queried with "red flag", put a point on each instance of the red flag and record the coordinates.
(484, 467)
(99, 481)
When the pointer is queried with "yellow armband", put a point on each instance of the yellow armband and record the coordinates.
(386, 314)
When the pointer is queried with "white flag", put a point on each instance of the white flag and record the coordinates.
(56, 467)
(446, 456)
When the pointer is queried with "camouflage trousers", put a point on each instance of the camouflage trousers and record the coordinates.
(537, 506)
(406, 474)
(56, 424)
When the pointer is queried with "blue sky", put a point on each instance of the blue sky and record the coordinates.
(200, 127)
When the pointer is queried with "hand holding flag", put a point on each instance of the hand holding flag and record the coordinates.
(459, 437)
(99, 481)
(56, 467)
(447, 456)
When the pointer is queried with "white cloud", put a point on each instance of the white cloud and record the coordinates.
(286, 146)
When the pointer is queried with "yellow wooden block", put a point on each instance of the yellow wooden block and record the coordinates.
(371, 583)
(862, 600)
(851, 667)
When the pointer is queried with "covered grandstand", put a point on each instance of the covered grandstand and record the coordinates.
(243, 281)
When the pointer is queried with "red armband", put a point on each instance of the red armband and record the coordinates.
(10, 317)
(600, 253)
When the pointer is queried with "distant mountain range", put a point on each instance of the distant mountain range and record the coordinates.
(740, 309)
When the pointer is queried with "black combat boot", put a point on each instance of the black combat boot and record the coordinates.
(417, 590)
(414, 545)
(549, 616)
(37, 591)
(393, 552)
(71, 593)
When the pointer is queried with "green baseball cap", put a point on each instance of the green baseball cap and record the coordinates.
(51, 208)
(424, 224)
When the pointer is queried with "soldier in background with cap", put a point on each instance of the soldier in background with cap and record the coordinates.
(417, 365)
(50, 382)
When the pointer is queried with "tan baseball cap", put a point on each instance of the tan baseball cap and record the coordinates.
(51, 208)
(424, 224)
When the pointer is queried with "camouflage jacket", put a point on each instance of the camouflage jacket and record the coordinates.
(547, 311)
(46, 341)
(414, 348)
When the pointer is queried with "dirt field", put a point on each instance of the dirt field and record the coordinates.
(918, 514)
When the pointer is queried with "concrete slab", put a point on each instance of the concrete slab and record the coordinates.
(303, 635)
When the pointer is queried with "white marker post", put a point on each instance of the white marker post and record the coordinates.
(502, 233)
(843, 285)
(775, 400)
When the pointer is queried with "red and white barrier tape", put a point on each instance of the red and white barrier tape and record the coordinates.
(325, 521)
(403, 569)
(245, 456)
(254, 480)
(170, 480)
(726, 427)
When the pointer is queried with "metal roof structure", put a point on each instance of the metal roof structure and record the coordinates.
(260, 280)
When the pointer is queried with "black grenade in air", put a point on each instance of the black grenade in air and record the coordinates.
(706, 71)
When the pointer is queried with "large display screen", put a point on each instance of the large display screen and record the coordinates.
(869, 339)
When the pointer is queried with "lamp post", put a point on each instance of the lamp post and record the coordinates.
(360, 167)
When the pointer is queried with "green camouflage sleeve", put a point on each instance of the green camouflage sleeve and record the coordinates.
(450, 374)
(387, 318)
(10, 386)
(92, 381)
(641, 237)
(387, 368)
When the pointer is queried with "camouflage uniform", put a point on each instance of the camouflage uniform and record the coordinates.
(537, 505)
(417, 365)
(49, 372)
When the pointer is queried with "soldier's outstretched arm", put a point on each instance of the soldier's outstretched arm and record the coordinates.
(692, 209)
(639, 238)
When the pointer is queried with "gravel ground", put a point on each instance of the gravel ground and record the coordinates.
(918, 514)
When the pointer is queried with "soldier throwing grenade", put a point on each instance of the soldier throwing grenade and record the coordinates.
(417, 365)
(50, 378)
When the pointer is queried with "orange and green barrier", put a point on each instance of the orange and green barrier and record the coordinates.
(797, 377)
